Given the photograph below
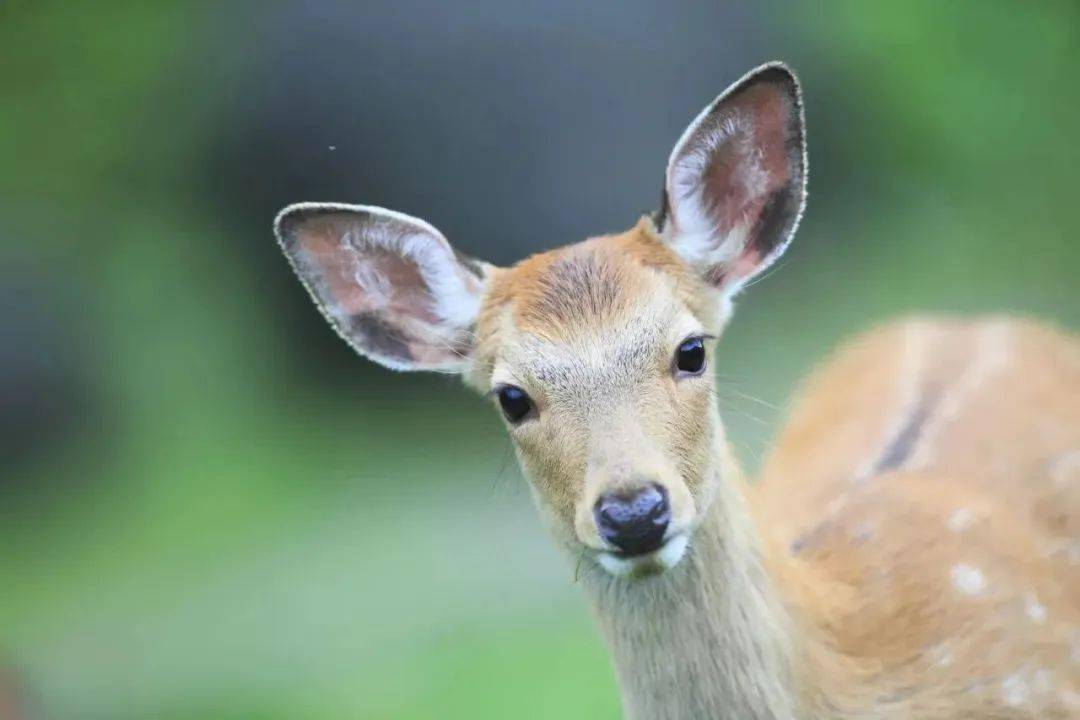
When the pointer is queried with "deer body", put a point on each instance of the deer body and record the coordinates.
(911, 551)
(923, 506)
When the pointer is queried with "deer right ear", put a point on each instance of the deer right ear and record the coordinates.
(390, 284)
(736, 181)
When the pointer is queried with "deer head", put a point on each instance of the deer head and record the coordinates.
(598, 354)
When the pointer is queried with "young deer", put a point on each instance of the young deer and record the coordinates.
(913, 550)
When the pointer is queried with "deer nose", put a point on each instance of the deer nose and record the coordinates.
(634, 522)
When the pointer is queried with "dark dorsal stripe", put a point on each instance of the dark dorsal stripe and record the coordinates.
(900, 449)
(893, 457)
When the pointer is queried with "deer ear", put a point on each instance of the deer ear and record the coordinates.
(736, 181)
(390, 284)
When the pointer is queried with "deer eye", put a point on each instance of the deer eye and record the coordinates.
(516, 405)
(690, 357)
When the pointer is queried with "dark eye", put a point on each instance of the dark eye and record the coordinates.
(516, 405)
(690, 357)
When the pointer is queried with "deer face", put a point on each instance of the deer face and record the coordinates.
(598, 354)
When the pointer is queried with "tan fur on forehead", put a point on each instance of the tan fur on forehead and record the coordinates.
(588, 285)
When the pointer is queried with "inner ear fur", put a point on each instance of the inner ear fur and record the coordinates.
(735, 185)
(390, 284)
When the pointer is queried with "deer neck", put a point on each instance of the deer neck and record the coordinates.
(709, 638)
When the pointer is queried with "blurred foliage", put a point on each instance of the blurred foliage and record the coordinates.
(202, 518)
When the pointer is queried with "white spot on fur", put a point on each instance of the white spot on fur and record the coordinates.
(967, 579)
(940, 655)
(960, 520)
(1065, 469)
(836, 504)
(1035, 610)
(1014, 690)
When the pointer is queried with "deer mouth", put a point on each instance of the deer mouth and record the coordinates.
(664, 558)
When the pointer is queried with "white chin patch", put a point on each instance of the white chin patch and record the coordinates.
(665, 558)
(673, 551)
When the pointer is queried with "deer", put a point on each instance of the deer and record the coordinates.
(911, 547)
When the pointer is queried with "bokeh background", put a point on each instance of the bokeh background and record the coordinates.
(209, 508)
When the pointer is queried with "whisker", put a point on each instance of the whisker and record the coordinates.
(577, 567)
(751, 417)
(503, 466)
(782, 260)
(758, 400)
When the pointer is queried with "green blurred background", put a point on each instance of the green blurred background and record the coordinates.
(209, 508)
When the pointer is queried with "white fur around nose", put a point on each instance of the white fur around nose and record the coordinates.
(672, 552)
(666, 558)
(617, 565)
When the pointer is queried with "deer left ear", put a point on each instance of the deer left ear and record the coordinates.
(736, 181)
(390, 284)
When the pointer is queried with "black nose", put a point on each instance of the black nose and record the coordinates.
(633, 522)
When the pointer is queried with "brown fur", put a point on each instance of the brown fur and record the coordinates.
(992, 485)
(559, 291)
